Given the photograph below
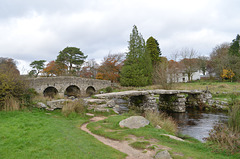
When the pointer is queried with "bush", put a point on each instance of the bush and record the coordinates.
(234, 118)
(76, 107)
(161, 119)
(225, 138)
(11, 104)
(109, 89)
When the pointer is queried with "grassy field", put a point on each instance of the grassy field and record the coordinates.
(213, 87)
(178, 149)
(195, 85)
(40, 134)
(219, 90)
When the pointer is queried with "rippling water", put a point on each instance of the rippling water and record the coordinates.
(198, 124)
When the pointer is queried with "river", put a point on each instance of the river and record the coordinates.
(198, 124)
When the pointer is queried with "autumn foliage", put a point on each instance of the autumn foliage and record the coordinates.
(110, 67)
(227, 74)
(55, 69)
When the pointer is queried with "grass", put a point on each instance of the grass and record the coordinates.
(213, 87)
(73, 107)
(192, 149)
(162, 120)
(41, 134)
(140, 144)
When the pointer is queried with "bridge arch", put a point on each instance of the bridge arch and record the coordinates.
(72, 90)
(90, 90)
(50, 91)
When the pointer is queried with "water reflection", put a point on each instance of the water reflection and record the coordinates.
(198, 124)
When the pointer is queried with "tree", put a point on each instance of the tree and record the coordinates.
(161, 75)
(12, 87)
(234, 47)
(72, 57)
(202, 64)
(89, 69)
(234, 57)
(38, 66)
(189, 62)
(55, 69)
(137, 68)
(152, 46)
(227, 74)
(110, 67)
(154, 50)
(219, 58)
(8, 66)
(173, 71)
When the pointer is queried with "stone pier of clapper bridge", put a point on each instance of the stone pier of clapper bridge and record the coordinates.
(173, 100)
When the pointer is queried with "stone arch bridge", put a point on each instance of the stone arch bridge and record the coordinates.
(67, 85)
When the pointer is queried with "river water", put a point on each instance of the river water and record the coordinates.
(198, 124)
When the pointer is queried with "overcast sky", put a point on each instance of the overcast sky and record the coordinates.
(38, 29)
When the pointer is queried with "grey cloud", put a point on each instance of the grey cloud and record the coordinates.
(32, 30)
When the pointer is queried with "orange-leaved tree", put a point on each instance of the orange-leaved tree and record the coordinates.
(55, 69)
(110, 67)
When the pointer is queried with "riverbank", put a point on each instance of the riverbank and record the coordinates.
(49, 134)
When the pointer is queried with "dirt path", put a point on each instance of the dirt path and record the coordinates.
(119, 145)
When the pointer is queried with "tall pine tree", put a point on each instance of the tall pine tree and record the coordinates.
(234, 48)
(155, 53)
(137, 68)
(154, 50)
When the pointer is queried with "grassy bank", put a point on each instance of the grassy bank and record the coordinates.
(40, 134)
(192, 148)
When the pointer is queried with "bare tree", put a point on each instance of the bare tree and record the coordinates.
(189, 62)
(161, 75)
(219, 58)
(89, 69)
(202, 63)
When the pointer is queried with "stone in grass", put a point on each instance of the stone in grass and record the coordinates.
(41, 105)
(163, 155)
(134, 122)
(101, 110)
(89, 114)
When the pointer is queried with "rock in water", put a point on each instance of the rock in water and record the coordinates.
(163, 155)
(134, 122)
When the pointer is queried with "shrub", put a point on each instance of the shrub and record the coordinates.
(109, 89)
(75, 107)
(161, 119)
(234, 118)
(225, 138)
(13, 89)
(11, 104)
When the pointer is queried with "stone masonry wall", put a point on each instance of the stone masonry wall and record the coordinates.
(63, 82)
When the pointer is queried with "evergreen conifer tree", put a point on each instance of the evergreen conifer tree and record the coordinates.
(154, 50)
(155, 53)
(234, 48)
(137, 68)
